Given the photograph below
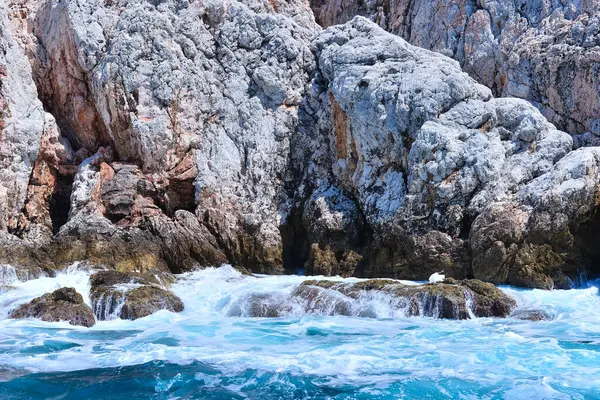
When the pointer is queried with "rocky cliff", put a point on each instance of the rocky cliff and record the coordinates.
(415, 167)
(160, 136)
(174, 125)
(544, 51)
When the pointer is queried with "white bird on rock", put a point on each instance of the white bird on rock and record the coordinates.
(437, 277)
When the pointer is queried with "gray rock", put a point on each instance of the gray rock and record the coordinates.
(192, 105)
(22, 121)
(544, 51)
(423, 151)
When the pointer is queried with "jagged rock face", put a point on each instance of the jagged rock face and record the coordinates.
(544, 51)
(175, 107)
(64, 304)
(424, 150)
(188, 134)
(22, 122)
(548, 230)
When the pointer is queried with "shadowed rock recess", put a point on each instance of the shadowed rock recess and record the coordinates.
(151, 138)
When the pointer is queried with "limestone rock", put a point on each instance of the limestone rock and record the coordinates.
(421, 151)
(196, 104)
(64, 304)
(22, 120)
(544, 51)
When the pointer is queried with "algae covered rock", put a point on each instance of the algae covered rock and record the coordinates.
(126, 295)
(451, 299)
(145, 300)
(64, 304)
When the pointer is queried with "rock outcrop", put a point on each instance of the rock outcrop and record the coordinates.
(544, 51)
(427, 159)
(64, 304)
(122, 295)
(22, 123)
(381, 298)
(175, 123)
(183, 134)
(450, 300)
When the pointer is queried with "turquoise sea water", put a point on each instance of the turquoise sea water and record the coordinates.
(213, 350)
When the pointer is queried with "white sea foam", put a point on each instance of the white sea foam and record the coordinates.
(512, 357)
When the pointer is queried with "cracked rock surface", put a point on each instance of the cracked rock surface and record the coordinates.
(157, 137)
(544, 51)
(445, 176)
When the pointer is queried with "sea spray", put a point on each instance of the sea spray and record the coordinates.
(204, 352)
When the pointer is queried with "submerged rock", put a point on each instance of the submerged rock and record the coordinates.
(64, 304)
(123, 295)
(532, 315)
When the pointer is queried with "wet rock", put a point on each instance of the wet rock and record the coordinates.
(260, 305)
(487, 300)
(10, 274)
(323, 302)
(64, 304)
(128, 295)
(6, 288)
(532, 315)
(451, 300)
(147, 300)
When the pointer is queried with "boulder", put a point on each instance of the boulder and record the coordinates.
(128, 295)
(64, 304)
(145, 300)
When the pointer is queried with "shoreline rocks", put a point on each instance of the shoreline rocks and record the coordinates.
(438, 173)
(451, 299)
(131, 296)
(194, 134)
(64, 304)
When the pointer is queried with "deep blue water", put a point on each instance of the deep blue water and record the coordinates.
(213, 350)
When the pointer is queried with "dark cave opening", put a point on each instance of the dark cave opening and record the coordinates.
(60, 202)
(295, 243)
(181, 195)
(586, 260)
